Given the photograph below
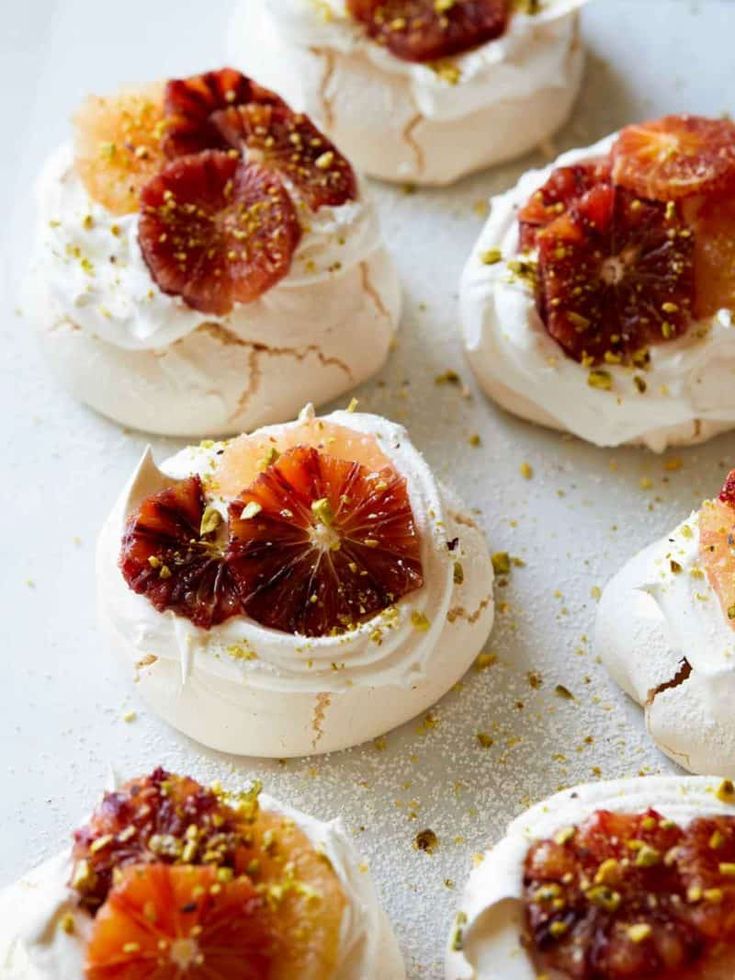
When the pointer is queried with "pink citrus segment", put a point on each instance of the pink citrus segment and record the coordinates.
(565, 187)
(319, 545)
(118, 145)
(713, 220)
(717, 546)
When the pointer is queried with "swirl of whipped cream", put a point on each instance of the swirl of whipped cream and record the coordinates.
(35, 946)
(94, 271)
(317, 693)
(689, 394)
(663, 636)
(486, 940)
(494, 102)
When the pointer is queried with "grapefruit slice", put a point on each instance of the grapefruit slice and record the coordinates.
(563, 188)
(216, 231)
(168, 923)
(176, 563)
(190, 104)
(426, 30)
(118, 145)
(290, 144)
(675, 157)
(615, 274)
(717, 546)
(713, 220)
(319, 544)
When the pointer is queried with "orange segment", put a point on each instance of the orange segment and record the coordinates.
(167, 922)
(117, 145)
(246, 457)
(717, 552)
(713, 220)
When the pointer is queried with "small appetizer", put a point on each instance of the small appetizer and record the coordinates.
(172, 880)
(599, 297)
(207, 260)
(632, 879)
(293, 591)
(666, 632)
(423, 91)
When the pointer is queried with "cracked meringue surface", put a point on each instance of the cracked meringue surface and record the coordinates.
(663, 636)
(689, 393)
(300, 696)
(424, 123)
(487, 939)
(35, 946)
(149, 361)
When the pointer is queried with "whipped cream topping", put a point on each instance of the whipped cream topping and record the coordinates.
(689, 379)
(94, 274)
(531, 52)
(387, 649)
(485, 943)
(35, 946)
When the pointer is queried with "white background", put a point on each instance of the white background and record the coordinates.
(62, 697)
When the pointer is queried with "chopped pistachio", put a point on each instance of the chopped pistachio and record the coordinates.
(491, 257)
(250, 510)
(211, 520)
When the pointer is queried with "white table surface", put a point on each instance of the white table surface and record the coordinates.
(63, 697)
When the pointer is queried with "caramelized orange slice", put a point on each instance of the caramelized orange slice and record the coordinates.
(118, 145)
(717, 546)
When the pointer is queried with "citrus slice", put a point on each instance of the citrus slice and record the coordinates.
(615, 274)
(216, 231)
(675, 157)
(706, 861)
(118, 145)
(563, 188)
(290, 144)
(190, 103)
(426, 30)
(717, 546)
(174, 557)
(319, 544)
(713, 220)
(168, 923)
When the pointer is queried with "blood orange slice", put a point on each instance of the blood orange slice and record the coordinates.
(190, 103)
(171, 555)
(675, 157)
(168, 923)
(706, 861)
(157, 818)
(118, 146)
(713, 220)
(216, 231)
(320, 544)
(615, 274)
(425, 30)
(563, 188)
(717, 546)
(290, 143)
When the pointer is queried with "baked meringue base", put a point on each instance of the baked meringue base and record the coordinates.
(216, 381)
(491, 916)
(33, 946)
(272, 723)
(373, 117)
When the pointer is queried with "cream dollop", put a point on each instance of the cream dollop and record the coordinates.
(34, 945)
(485, 942)
(321, 693)
(663, 636)
(494, 102)
(689, 394)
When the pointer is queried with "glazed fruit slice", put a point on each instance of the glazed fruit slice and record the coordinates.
(615, 274)
(565, 186)
(717, 546)
(320, 544)
(713, 220)
(675, 157)
(216, 231)
(291, 144)
(160, 818)
(118, 146)
(425, 30)
(172, 553)
(606, 900)
(164, 923)
(190, 103)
